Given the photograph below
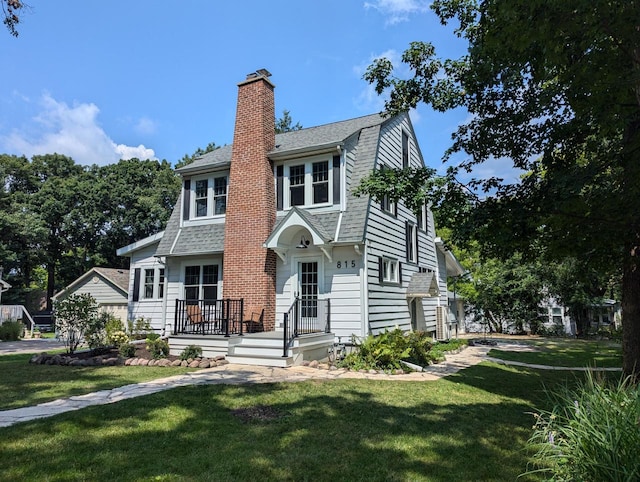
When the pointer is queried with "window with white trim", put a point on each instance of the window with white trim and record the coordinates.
(201, 282)
(151, 284)
(209, 196)
(313, 182)
(422, 218)
(405, 150)
(390, 270)
(161, 283)
(412, 242)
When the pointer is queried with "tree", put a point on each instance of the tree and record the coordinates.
(199, 152)
(284, 124)
(12, 10)
(76, 317)
(555, 87)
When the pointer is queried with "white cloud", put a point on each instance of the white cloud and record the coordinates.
(145, 126)
(73, 131)
(398, 11)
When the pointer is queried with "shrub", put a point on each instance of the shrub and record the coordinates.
(75, 317)
(387, 351)
(118, 338)
(95, 333)
(11, 330)
(140, 328)
(127, 350)
(192, 351)
(592, 433)
(382, 352)
(158, 347)
(112, 325)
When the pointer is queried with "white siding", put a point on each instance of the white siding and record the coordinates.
(386, 235)
(341, 285)
(152, 309)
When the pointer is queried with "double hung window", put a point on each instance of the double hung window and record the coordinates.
(201, 282)
(389, 270)
(209, 196)
(310, 183)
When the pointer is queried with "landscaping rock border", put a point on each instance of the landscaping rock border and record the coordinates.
(109, 360)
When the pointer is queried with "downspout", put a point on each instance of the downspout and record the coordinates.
(364, 289)
(165, 297)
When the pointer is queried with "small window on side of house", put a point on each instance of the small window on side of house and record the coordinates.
(149, 281)
(220, 195)
(390, 270)
(161, 283)
(405, 150)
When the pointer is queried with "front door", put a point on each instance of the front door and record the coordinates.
(308, 289)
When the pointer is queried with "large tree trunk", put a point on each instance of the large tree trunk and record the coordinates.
(631, 310)
(51, 283)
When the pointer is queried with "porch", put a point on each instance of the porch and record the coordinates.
(222, 328)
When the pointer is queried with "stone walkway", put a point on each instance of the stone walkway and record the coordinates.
(246, 374)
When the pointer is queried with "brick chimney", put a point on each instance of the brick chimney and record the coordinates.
(249, 268)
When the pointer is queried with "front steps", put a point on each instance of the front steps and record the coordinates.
(263, 349)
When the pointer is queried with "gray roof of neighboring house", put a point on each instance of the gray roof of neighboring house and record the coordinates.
(209, 238)
(119, 277)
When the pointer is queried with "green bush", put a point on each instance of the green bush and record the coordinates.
(112, 325)
(592, 433)
(127, 350)
(158, 347)
(118, 338)
(11, 330)
(388, 350)
(382, 352)
(192, 351)
(140, 328)
(76, 318)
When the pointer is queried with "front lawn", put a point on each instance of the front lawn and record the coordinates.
(566, 353)
(469, 426)
(23, 384)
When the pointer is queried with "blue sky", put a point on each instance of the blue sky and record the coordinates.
(100, 81)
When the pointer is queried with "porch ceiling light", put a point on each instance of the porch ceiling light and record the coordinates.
(304, 243)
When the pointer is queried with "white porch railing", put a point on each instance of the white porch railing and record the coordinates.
(15, 312)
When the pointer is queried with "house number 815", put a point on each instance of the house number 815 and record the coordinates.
(346, 264)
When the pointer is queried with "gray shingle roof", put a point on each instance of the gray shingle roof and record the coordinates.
(290, 142)
(119, 277)
(354, 219)
(327, 134)
(171, 230)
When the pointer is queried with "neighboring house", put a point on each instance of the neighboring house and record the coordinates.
(272, 220)
(559, 319)
(108, 286)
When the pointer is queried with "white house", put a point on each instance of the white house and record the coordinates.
(272, 221)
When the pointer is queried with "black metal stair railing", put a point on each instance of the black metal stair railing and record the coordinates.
(305, 316)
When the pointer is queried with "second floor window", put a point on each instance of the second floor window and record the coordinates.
(209, 196)
(314, 182)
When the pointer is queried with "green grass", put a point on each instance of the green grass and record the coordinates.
(23, 384)
(470, 426)
(567, 353)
